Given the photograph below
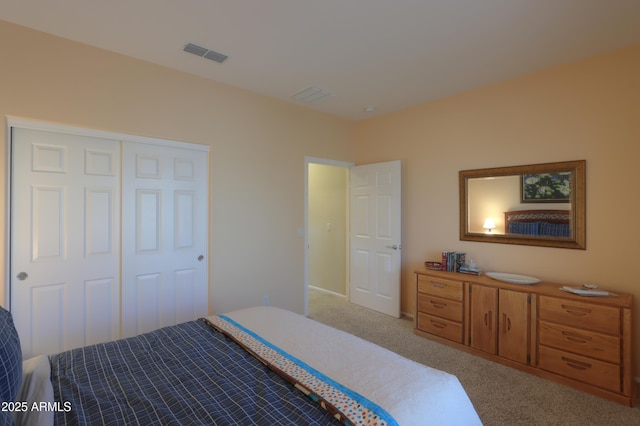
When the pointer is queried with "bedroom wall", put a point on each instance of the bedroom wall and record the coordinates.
(257, 161)
(584, 110)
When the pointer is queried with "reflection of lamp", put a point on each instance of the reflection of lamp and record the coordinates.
(489, 225)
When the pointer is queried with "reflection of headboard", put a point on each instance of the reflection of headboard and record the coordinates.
(548, 223)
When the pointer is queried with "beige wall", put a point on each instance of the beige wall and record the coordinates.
(257, 161)
(328, 227)
(586, 110)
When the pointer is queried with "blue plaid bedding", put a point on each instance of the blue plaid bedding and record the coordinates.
(187, 374)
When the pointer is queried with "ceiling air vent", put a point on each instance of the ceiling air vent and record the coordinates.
(313, 95)
(205, 53)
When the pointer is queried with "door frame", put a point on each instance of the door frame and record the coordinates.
(34, 124)
(305, 232)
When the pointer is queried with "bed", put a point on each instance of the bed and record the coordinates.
(547, 223)
(261, 366)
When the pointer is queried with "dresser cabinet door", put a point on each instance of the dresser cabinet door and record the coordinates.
(484, 318)
(499, 321)
(513, 323)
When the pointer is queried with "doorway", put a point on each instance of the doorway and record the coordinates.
(372, 252)
(326, 228)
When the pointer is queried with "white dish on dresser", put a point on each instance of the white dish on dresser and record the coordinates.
(513, 278)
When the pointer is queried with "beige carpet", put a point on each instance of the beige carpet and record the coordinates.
(501, 395)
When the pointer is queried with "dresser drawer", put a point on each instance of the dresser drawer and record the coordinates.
(583, 369)
(605, 319)
(583, 342)
(440, 307)
(440, 327)
(441, 287)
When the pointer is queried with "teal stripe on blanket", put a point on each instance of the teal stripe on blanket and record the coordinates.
(365, 402)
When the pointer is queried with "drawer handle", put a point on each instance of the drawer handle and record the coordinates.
(573, 310)
(438, 324)
(437, 305)
(578, 365)
(438, 284)
(576, 338)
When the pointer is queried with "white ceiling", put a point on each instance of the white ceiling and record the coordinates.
(390, 54)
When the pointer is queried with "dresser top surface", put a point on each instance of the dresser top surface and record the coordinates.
(545, 288)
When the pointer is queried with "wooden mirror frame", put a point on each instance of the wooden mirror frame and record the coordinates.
(577, 240)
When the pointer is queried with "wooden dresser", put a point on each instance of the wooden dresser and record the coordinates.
(583, 342)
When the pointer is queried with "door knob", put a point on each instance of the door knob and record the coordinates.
(395, 247)
(22, 276)
(200, 258)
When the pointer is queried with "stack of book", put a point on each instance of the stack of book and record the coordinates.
(434, 266)
(466, 269)
(452, 260)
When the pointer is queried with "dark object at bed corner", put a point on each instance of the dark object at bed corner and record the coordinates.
(183, 374)
(10, 364)
(547, 223)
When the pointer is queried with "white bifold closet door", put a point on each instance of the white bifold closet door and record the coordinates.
(108, 237)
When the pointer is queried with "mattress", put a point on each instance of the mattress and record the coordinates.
(411, 393)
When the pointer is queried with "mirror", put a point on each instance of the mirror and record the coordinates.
(539, 205)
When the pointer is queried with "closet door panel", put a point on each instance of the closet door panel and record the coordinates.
(99, 220)
(99, 295)
(65, 239)
(164, 235)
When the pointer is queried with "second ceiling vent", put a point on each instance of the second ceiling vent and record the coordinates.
(313, 95)
(205, 53)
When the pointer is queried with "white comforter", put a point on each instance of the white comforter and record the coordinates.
(410, 392)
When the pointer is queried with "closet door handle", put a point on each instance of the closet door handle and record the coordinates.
(22, 276)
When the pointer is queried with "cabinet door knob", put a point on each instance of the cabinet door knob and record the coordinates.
(487, 320)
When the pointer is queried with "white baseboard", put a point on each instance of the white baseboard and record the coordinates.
(332, 293)
(408, 315)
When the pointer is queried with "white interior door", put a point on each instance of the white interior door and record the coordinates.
(164, 224)
(65, 246)
(376, 236)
